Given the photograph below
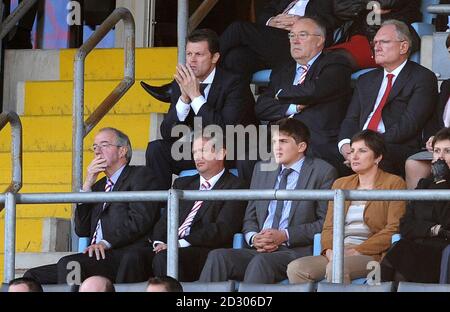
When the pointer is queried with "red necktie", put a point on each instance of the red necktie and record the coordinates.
(188, 221)
(376, 117)
(303, 75)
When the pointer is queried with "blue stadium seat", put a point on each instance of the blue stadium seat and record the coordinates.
(57, 288)
(261, 77)
(356, 75)
(422, 287)
(427, 17)
(422, 29)
(208, 287)
(332, 287)
(4, 287)
(271, 288)
(83, 242)
(191, 172)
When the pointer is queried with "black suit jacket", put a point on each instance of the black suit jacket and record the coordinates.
(319, 8)
(443, 98)
(411, 103)
(326, 92)
(229, 102)
(215, 222)
(123, 224)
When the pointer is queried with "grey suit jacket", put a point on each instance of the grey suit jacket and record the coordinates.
(306, 217)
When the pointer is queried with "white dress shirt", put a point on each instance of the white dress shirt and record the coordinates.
(298, 9)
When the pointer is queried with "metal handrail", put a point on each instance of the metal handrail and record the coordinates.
(16, 150)
(174, 196)
(182, 29)
(15, 16)
(439, 9)
(81, 128)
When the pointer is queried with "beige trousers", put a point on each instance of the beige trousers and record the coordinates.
(316, 268)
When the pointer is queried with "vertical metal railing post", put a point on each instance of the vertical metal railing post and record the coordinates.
(16, 150)
(80, 128)
(338, 236)
(182, 29)
(172, 232)
(10, 236)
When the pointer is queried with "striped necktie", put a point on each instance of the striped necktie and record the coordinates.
(108, 187)
(183, 229)
(305, 69)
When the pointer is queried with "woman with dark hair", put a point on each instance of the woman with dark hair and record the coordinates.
(425, 228)
(369, 225)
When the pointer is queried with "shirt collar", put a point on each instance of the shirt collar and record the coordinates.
(117, 174)
(213, 180)
(210, 78)
(297, 166)
(396, 71)
(311, 61)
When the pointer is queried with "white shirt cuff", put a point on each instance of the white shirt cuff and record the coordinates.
(267, 23)
(182, 110)
(197, 103)
(292, 110)
(342, 142)
(183, 243)
(249, 238)
(106, 243)
(157, 243)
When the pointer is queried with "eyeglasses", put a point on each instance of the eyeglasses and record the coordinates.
(384, 42)
(303, 35)
(102, 146)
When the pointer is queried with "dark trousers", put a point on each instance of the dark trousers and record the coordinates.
(247, 47)
(110, 267)
(158, 158)
(190, 263)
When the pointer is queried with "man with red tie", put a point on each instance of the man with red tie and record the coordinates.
(114, 229)
(396, 100)
(203, 225)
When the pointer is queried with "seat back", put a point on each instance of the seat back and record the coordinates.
(445, 266)
(208, 287)
(331, 287)
(422, 287)
(422, 29)
(427, 17)
(261, 77)
(4, 288)
(249, 287)
(131, 287)
(83, 242)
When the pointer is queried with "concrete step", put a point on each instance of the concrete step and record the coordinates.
(56, 98)
(151, 63)
(46, 171)
(54, 133)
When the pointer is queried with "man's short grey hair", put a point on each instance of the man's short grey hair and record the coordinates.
(320, 26)
(121, 140)
(402, 30)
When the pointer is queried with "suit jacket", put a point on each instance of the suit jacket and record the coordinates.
(215, 222)
(382, 217)
(306, 217)
(229, 102)
(411, 103)
(126, 223)
(326, 92)
(443, 98)
(422, 215)
(321, 8)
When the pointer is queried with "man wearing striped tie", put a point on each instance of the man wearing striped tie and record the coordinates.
(314, 87)
(203, 225)
(114, 229)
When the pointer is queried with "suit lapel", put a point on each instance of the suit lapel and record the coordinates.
(186, 206)
(369, 103)
(400, 82)
(315, 66)
(305, 174)
(216, 87)
(119, 183)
